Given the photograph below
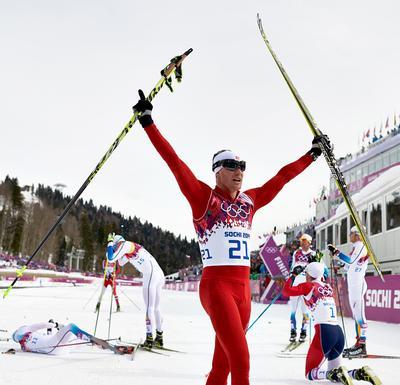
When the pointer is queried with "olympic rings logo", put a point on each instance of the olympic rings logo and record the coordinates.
(326, 291)
(302, 258)
(271, 250)
(234, 211)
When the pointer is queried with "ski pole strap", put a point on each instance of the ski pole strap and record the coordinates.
(168, 83)
(175, 67)
(178, 73)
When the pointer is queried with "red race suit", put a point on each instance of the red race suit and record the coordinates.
(223, 227)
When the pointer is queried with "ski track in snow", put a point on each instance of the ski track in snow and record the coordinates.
(186, 327)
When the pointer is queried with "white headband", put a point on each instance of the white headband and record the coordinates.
(306, 237)
(356, 231)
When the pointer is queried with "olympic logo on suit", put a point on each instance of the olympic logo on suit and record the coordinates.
(234, 210)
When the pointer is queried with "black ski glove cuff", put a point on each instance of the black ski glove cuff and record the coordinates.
(333, 249)
(316, 151)
(145, 119)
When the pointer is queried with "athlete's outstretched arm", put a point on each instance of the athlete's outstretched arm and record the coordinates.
(195, 191)
(294, 291)
(267, 192)
(344, 258)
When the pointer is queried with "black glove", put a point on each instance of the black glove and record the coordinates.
(297, 270)
(333, 249)
(55, 325)
(316, 151)
(144, 107)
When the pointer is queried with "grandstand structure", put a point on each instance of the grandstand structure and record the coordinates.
(362, 168)
(373, 178)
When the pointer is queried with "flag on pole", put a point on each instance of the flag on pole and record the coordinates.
(387, 125)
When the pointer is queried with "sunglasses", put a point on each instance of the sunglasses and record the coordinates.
(230, 164)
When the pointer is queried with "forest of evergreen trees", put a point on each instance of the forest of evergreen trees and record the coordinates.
(24, 222)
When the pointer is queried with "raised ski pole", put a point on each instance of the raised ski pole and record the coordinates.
(174, 67)
(328, 154)
(261, 314)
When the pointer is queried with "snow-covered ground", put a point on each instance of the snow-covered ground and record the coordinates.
(186, 327)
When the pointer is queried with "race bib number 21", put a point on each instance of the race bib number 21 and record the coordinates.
(238, 249)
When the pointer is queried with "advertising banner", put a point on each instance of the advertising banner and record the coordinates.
(382, 299)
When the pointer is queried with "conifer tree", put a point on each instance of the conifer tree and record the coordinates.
(87, 241)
